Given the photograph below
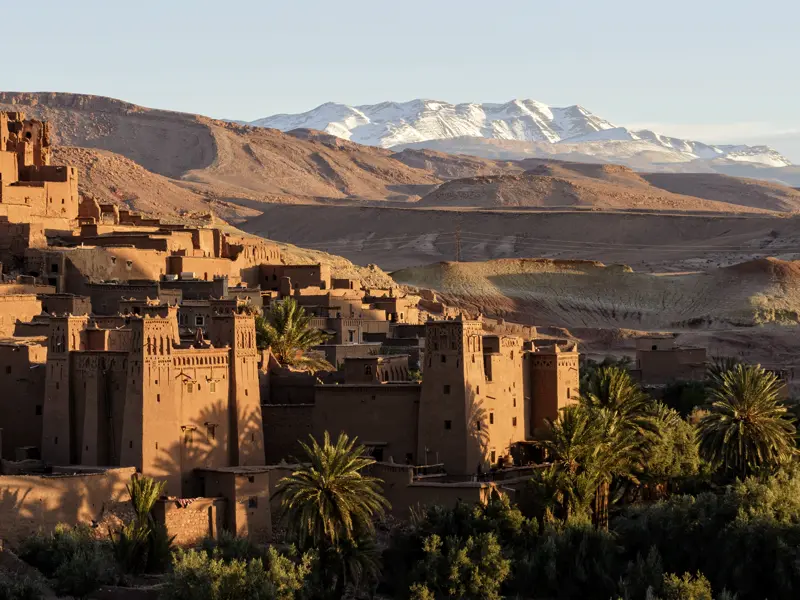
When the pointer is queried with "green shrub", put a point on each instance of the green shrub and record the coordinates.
(86, 571)
(574, 560)
(471, 568)
(47, 552)
(198, 576)
(688, 587)
(230, 547)
(14, 586)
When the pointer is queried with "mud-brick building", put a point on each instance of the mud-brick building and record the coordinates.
(31, 189)
(481, 397)
(139, 396)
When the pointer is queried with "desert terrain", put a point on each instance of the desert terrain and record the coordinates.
(662, 248)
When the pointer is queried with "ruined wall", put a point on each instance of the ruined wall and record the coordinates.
(29, 504)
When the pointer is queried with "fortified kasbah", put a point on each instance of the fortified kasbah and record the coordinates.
(130, 345)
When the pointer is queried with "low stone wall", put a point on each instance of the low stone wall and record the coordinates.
(32, 503)
(192, 520)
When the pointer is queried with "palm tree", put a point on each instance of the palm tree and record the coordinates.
(589, 447)
(613, 388)
(287, 331)
(747, 427)
(718, 366)
(327, 499)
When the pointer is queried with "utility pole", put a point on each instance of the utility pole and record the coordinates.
(458, 242)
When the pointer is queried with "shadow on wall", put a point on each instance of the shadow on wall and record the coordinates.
(32, 503)
(477, 431)
(206, 442)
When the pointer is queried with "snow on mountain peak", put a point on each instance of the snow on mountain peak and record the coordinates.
(397, 123)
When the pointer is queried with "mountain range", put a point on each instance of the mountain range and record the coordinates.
(543, 130)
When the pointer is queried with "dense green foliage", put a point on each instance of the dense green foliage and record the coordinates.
(77, 562)
(198, 576)
(287, 331)
(14, 586)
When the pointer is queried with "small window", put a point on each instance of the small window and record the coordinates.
(55, 440)
(211, 431)
(491, 418)
(246, 393)
(38, 410)
(447, 389)
(568, 392)
(654, 347)
(409, 458)
(513, 421)
(199, 320)
(252, 502)
(8, 369)
(130, 444)
(448, 424)
(56, 385)
(54, 268)
(251, 479)
(444, 358)
(478, 425)
(158, 397)
(478, 390)
(494, 456)
(515, 402)
(368, 370)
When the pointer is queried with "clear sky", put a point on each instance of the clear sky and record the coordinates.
(708, 69)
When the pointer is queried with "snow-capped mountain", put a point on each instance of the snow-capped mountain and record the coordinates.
(394, 124)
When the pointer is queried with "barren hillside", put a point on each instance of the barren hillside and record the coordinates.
(219, 160)
(591, 294)
(611, 187)
(225, 159)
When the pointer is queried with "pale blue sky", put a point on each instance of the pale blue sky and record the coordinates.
(709, 69)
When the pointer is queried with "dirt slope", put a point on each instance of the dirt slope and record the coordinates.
(110, 177)
(604, 187)
(591, 294)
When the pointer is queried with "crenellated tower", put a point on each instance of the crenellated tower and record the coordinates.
(452, 419)
(238, 332)
(60, 427)
(151, 417)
